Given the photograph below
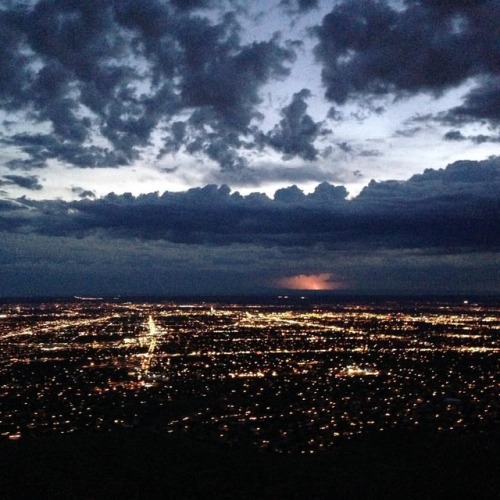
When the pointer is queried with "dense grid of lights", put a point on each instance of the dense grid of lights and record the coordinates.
(285, 377)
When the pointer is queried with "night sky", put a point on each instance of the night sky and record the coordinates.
(228, 147)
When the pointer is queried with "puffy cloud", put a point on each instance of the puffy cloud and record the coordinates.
(374, 49)
(297, 131)
(290, 195)
(117, 71)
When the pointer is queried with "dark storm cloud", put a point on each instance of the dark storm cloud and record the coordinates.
(27, 182)
(296, 133)
(457, 207)
(371, 49)
(122, 69)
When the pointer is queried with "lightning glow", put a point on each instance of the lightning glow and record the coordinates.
(322, 281)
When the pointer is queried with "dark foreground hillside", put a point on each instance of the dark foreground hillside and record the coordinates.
(140, 464)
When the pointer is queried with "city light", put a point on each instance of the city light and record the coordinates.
(287, 376)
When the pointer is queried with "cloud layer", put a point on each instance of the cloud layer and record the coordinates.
(456, 207)
(438, 232)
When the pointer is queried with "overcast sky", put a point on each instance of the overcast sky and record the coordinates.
(219, 147)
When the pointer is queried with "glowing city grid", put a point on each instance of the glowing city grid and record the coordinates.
(287, 375)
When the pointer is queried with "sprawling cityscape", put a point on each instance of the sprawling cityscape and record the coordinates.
(286, 375)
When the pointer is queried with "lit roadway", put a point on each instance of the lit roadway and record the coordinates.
(153, 334)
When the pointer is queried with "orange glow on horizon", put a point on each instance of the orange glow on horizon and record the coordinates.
(322, 281)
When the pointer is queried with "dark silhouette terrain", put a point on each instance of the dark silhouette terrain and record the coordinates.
(136, 464)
